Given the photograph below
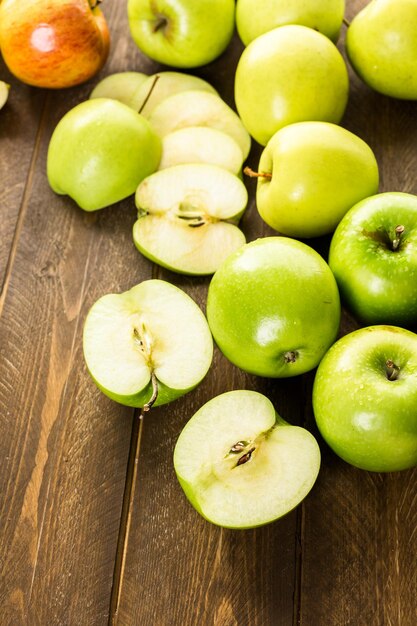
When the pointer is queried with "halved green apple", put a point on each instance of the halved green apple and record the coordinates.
(122, 86)
(187, 216)
(201, 144)
(241, 465)
(199, 108)
(151, 338)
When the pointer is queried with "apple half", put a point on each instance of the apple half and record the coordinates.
(152, 338)
(122, 86)
(187, 216)
(4, 93)
(199, 108)
(241, 465)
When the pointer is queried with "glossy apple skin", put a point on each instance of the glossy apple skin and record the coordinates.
(273, 300)
(381, 44)
(255, 17)
(182, 33)
(367, 419)
(377, 283)
(319, 171)
(290, 74)
(53, 43)
(99, 153)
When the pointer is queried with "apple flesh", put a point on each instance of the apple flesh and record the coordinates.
(255, 17)
(122, 86)
(187, 216)
(241, 465)
(53, 43)
(289, 74)
(182, 33)
(273, 307)
(365, 398)
(310, 174)
(373, 255)
(154, 331)
(4, 93)
(381, 44)
(99, 153)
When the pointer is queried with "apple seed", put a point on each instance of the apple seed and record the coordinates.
(245, 458)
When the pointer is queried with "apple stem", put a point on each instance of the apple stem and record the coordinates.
(155, 389)
(94, 5)
(346, 22)
(161, 22)
(397, 236)
(245, 458)
(252, 174)
(392, 370)
(144, 103)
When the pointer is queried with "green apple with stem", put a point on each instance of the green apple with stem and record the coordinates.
(241, 465)
(273, 307)
(187, 216)
(289, 74)
(182, 33)
(4, 93)
(122, 86)
(149, 344)
(255, 17)
(309, 175)
(365, 398)
(381, 44)
(373, 255)
(99, 153)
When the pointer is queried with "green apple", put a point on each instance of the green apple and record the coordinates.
(159, 86)
(255, 17)
(381, 44)
(152, 336)
(199, 108)
(373, 255)
(201, 144)
(289, 74)
(4, 93)
(273, 307)
(187, 217)
(241, 465)
(365, 398)
(182, 33)
(123, 86)
(99, 153)
(310, 174)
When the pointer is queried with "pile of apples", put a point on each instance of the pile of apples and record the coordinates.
(274, 304)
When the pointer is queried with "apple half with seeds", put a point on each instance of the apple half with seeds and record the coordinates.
(187, 216)
(241, 465)
(151, 339)
(199, 108)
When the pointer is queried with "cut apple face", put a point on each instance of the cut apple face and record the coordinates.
(199, 108)
(123, 86)
(187, 217)
(162, 85)
(241, 465)
(151, 338)
(200, 144)
(4, 93)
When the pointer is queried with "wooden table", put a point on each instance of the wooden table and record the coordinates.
(346, 556)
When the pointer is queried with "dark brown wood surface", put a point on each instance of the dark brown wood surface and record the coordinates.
(346, 556)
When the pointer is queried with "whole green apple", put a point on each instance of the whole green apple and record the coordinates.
(365, 398)
(273, 307)
(182, 33)
(373, 255)
(255, 17)
(310, 174)
(290, 74)
(99, 153)
(381, 44)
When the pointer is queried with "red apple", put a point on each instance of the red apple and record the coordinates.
(53, 43)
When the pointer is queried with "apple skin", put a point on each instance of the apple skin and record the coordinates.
(53, 43)
(182, 33)
(319, 171)
(290, 74)
(273, 307)
(99, 153)
(255, 17)
(381, 44)
(377, 283)
(367, 419)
